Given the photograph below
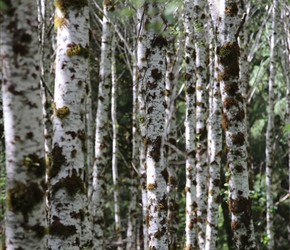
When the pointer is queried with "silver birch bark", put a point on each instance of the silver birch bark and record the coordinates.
(244, 40)
(25, 225)
(233, 120)
(142, 68)
(201, 43)
(270, 134)
(101, 140)
(68, 196)
(89, 124)
(131, 233)
(173, 61)
(155, 127)
(215, 151)
(190, 186)
(115, 148)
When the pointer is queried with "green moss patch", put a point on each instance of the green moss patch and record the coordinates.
(35, 165)
(62, 112)
(77, 50)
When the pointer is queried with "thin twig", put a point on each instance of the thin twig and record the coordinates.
(46, 87)
(241, 25)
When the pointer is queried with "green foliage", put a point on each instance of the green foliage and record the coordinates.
(126, 11)
(3, 6)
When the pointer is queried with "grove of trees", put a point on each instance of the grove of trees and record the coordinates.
(145, 124)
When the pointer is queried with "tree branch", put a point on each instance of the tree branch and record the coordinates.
(241, 25)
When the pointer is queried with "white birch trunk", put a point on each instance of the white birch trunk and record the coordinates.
(25, 226)
(142, 67)
(244, 7)
(228, 24)
(90, 147)
(201, 44)
(102, 137)
(115, 174)
(155, 127)
(190, 123)
(270, 134)
(69, 227)
(215, 152)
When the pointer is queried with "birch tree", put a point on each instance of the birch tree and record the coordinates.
(155, 126)
(68, 198)
(269, 133)
(25, 226)
(102, 136)
(190, 186)
(142, 68)
(215, 151)
(201, 48)
(225, 19)
(115, 174)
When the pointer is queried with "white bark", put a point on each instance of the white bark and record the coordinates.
(228, 53)
(142, 67)
(190, 186)
(68, 208)
(132, 214)
(270, 134)
(215, 151)
(201, 44)
(101, 140)
(155, 127)
(115, 174)
(25, 226)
